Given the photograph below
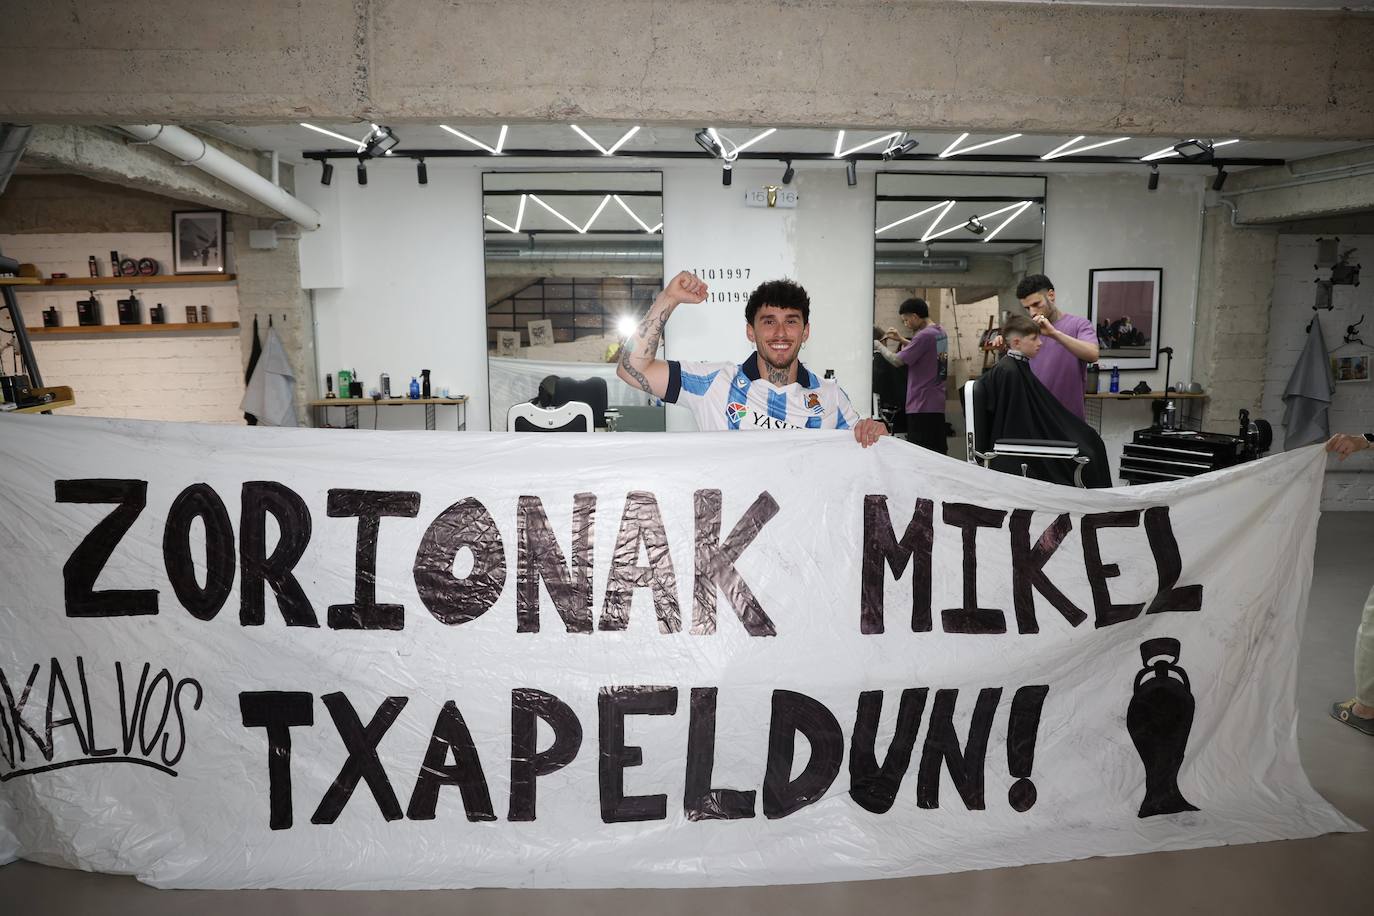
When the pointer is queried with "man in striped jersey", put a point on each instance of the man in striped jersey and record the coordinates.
(771, 390)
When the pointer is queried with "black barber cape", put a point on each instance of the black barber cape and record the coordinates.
(1011, 403)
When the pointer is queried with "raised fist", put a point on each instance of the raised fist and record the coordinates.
(685, 287)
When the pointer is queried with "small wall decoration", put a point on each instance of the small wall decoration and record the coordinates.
(1123, 302)
(198, 241)
(1353, 368)
(507, 343)
(541, 333)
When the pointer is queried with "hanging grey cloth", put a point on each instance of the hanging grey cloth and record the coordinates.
(1308, 395)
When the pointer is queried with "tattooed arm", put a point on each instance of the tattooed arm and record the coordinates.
(639, 365)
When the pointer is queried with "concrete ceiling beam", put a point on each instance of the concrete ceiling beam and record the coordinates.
(924, 64)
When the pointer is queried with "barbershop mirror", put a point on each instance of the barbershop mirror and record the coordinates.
(960, 242)
(573, 261)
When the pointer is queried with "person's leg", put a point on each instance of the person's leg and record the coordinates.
(1359, 712)
(928, 431)
(1364, 660)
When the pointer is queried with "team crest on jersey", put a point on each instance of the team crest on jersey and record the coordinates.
(813, 403)
(735, 411)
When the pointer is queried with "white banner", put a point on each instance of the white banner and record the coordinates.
(304, 658)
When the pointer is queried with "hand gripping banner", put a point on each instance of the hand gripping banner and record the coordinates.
(306, 658)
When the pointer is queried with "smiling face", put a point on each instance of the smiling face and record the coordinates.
(778, 334)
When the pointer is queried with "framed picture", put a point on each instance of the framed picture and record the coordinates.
(507, 343)
(1123, 304)
(198, 241)
(1353, 368)
(541, 333)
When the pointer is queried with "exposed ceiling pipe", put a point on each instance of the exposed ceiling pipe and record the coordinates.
(12, 140)
(625, 251)
(192, 150)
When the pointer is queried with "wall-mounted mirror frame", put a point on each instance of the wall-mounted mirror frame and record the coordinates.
(961, 241)
(573, 260)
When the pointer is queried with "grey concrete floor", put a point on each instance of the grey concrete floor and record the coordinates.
(1326, 875)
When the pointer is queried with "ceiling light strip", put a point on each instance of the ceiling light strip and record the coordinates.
(329, 133)
(863, 146)
(949, 150)
(501, 224)
(520, 214)
(501, 140)
(571, 225)
(977, 146)
(604, 201)
(588, 137)
(1082, 149)
(748, 143)
(1020, 208)
(906, 219)
(626, 207)
(1169, 151)
(473, 140)
(839, 144)
(948, 205)
(621, 142)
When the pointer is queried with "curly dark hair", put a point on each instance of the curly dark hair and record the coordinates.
(1035, 283)
(783, 294)
(917, 307)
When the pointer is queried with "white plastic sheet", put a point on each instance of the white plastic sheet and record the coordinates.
(724, 660)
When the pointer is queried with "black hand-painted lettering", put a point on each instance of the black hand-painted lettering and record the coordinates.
(56, 679)
(199, 501)
(21, 727)
(715, 564)
(613, 705)
(792, 713)
(90, 718)
(451, 600)
(881, 547)
(971, 618)
(278, 712)
(641, 522)
(362, 763)
(873, 787)
(1028, 571)
(84, 566)
(1105, 613)
(259, 498)
(540, 557)
(1169, 565)
(701, 802)
(527, 763)
(167, 756)
(451, 737)
(369, 507)
(966, 764)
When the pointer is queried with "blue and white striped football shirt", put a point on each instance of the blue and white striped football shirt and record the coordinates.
(727, 396)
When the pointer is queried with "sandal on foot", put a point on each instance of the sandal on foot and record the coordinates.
(1345, 712)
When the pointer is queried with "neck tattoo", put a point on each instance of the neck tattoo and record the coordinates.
(777, 376)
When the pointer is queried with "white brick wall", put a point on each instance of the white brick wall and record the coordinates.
(1349, 485)
(171, 376)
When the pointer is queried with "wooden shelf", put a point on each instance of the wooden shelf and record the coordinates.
(20, 281)
(117, 329)
(385, 402)
(125, 282)
(64, 398)
(1148, 396)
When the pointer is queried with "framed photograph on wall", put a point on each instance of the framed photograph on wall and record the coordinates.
(198, 242)
(507, 343)
(1123, 304)
(541, 332)
(1352, 368)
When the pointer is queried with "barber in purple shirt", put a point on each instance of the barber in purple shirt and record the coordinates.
(1070, 343)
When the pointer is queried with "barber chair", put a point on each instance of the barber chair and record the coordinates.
(555, 391)
(572, 417)
(983, 453)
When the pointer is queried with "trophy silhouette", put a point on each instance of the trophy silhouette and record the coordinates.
(1159, 719)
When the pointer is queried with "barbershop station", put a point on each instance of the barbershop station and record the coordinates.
(622, 457)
